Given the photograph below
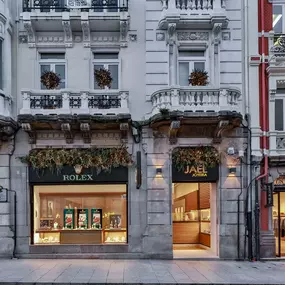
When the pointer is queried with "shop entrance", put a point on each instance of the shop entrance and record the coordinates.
(279, 222)
(194, 220)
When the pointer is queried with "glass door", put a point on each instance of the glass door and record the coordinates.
(279, 222)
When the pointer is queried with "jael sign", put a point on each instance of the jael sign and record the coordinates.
(195, 173)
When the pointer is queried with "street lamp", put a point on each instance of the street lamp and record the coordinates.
(15, 216)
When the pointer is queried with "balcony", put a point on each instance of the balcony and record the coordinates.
(73, 114)
(195, 99)
(68, 16)
(193, 13)
(65, 102)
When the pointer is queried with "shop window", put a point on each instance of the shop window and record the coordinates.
(80, 214)
(54, 62)
(189, 61)
(109, 61)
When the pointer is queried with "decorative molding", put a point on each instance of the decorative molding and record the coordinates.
(279, 47)
(50, 39)
(66, 128)
(226, 36)
(160, 36)
(23, 39)
(78, 39)
(171, 30)
(30, 31)
(86, 32)
(145, 141)
(67, 33)
(106, 39)
(217, 36)
(124, 27)
(106, 136)
(192, 36)
(173, 130)
(133, 37)
(32, 134)
(86, 134)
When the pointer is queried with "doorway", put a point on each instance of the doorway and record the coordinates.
(279, 222)
(194, 220)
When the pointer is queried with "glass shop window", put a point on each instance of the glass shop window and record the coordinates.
(80, 214)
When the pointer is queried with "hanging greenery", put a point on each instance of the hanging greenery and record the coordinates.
(50, 79)
(198, 78)
(182, 157)
(103, 77)
(103, 159)
(164, 111)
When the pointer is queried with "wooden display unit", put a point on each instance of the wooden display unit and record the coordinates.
(185, 232)
(205, 239)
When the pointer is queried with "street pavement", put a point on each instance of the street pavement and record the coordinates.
(82, 271)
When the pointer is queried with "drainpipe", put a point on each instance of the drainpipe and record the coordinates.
(264, 124)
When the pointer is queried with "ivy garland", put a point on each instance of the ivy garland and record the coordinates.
(103, 78)
(182, 157)
(103, 159)
(50, 80)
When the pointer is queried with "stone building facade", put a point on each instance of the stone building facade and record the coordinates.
(150, 48)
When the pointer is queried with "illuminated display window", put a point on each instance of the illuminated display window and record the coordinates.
(80, 214)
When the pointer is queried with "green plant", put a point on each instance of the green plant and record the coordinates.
(182, 157)
(103, 77)
(103, 159)
(50, 79)
(198, 78)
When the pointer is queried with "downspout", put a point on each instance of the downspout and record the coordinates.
(238, 212)
(264, 123)
(264, 118)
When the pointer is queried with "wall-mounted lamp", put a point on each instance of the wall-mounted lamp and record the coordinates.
(232, 171)
(158, 171)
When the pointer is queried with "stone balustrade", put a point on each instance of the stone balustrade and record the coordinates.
(193, 6)
(195, 99)
(204, 14)
(64, 101)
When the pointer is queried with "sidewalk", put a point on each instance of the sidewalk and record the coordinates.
(26, 271)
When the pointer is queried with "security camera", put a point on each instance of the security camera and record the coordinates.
(231, 151)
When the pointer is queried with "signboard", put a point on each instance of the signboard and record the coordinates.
(77, 174)
(195, 173)
(269, 195)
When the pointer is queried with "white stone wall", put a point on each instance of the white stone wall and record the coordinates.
(145, 68)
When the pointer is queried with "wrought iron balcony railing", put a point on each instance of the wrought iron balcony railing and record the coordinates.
(68, 5)
(64, 101)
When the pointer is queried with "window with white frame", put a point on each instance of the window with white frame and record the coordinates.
(108, 61)
(54, 62)
(278, 17)
(279, 110)
(189, 61)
